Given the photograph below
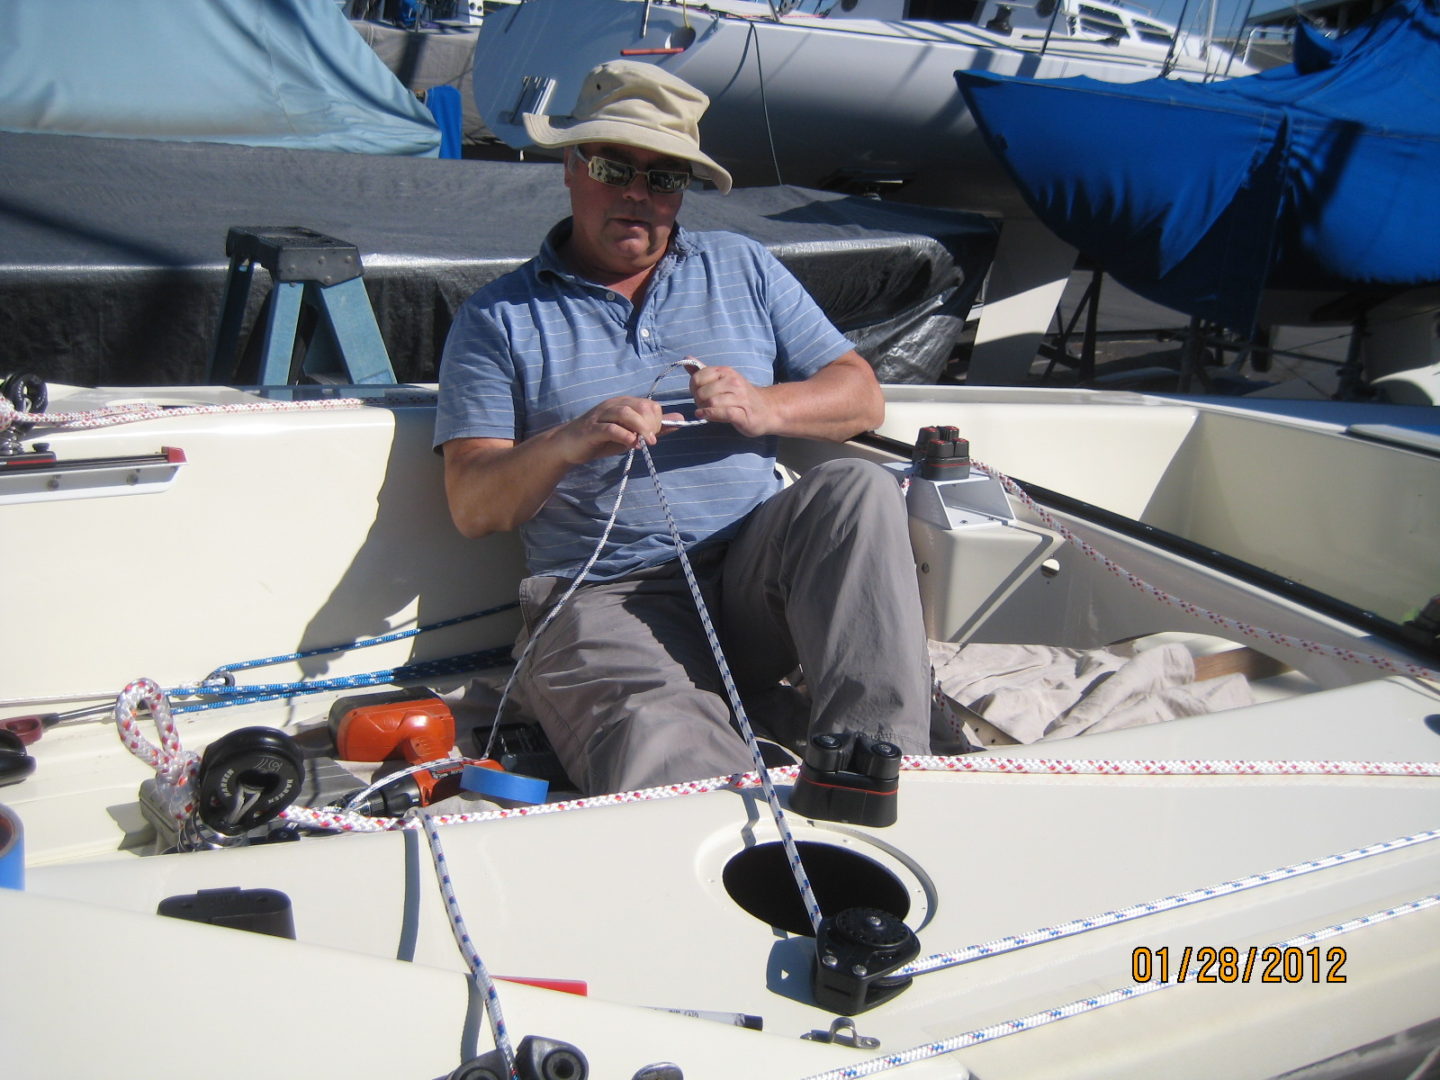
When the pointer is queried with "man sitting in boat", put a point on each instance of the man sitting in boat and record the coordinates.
(555, 372)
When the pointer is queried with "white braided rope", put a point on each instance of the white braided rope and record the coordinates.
(132, 413)
(690, 364)
(1012, 942)
(986, 763)
(777, 812)
(175, 767)
(550, 615)
(1255, 633)
(1098, 1001)
(341, 821)
(478, 971)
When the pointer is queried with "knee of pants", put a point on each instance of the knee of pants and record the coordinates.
(856, 485)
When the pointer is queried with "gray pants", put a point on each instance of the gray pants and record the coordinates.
(821, 577)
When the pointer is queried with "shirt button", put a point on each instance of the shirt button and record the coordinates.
(609, 296)
(645, 332)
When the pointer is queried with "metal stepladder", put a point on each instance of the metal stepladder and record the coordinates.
(316, 276)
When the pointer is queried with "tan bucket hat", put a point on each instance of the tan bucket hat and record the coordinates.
(634, 104)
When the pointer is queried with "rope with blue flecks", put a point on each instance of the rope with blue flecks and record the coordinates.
(1012, 942)
(792, 852)
(221, 687)
(1098, 1001)
(478, 971)
(767, 785)
(457, 922)
(170, 759)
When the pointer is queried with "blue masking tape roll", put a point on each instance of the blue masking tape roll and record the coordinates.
(494, 784)
(12, 851)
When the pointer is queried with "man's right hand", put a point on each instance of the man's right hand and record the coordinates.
(495, 485)
(612, 427)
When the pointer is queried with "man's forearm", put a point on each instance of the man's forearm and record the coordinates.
(838, 402)
(496, 485)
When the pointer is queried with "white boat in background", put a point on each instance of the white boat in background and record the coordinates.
(1077, 900)
(861, 97)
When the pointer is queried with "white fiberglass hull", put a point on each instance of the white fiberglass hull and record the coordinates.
(286, 530)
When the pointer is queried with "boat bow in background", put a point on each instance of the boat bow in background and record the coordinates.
(857, 99)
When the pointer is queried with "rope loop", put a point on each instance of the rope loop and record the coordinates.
(175, 767)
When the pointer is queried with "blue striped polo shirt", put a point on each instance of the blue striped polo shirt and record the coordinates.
(540, 346)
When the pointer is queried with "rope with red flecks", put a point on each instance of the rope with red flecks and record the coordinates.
(1256, 633)
(343, 821)
(175, 767)
(131, 413)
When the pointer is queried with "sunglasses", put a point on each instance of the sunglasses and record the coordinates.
(618, 174)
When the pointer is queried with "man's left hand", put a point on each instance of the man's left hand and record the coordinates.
(724, 396)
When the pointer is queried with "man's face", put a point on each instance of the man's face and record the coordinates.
(620, 230)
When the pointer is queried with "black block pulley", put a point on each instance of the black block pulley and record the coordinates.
(857, 953)
(246, 778)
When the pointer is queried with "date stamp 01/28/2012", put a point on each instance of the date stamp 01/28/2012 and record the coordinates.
(1229, 964)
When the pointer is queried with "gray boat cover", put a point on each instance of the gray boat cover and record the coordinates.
(440, 54)
(113, 264)
(287, 73)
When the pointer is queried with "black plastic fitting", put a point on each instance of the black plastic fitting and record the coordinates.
(851, 777)
(857, 952)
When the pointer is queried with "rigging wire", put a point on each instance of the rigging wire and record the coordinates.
(753, 36)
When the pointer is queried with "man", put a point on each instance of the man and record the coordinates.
(554, 372)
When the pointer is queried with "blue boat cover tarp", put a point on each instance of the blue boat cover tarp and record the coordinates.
(281, 73)
(1322, 175)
